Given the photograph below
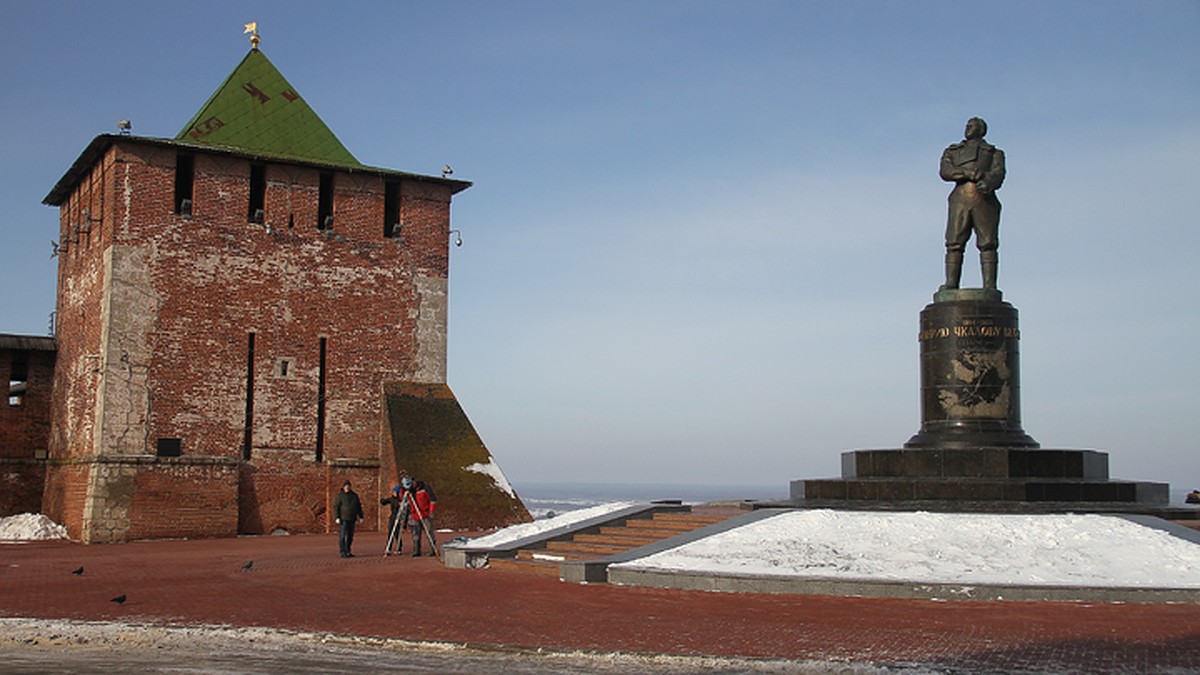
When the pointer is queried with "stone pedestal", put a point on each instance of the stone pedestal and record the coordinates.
(995, 476)
(970, 373)
(971, 453)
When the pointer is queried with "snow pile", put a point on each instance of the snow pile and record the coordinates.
(515, 532)
(1033, 550)
(30, 527)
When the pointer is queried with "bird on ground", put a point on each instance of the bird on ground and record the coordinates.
(248, 565)
(77, 571)
(120, 599)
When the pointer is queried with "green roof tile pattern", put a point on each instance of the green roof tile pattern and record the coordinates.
(258, 110)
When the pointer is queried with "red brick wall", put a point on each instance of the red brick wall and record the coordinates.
(24, 431)
(82, 277)
(66, 494)
(25, 422)
(155, 311)
(21, 484)
(173, 498)
(217, 279)
(279, 491)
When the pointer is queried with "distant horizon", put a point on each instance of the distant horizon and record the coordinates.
(542, 489)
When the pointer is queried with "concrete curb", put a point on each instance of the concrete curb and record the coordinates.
(892, 589)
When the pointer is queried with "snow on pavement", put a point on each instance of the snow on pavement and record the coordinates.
(1036, 550)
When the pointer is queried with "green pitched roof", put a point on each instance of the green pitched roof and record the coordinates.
(257, 109)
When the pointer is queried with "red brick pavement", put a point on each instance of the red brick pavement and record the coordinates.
(300, 583)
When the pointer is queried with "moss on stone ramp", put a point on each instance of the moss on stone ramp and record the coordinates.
(434, 441)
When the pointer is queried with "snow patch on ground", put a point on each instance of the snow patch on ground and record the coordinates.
(515, 532)
(40, 646)
(1034, 550)
(30, 527)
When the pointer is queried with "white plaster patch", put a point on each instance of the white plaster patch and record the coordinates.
(431, 330)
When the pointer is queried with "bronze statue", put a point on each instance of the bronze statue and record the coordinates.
(976, 168)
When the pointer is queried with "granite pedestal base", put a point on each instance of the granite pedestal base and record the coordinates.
(986, 475)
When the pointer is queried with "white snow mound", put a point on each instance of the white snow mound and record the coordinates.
(30, 527)
(1033, 550)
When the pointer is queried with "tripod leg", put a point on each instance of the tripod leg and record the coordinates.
(396, 533)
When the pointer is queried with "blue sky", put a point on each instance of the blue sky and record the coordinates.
(701, 233)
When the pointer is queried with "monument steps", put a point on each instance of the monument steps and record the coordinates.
(606, 541)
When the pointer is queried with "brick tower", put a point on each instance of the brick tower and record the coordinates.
(247, 316)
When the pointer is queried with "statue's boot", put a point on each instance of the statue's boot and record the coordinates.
(954, 262)
(989, 261)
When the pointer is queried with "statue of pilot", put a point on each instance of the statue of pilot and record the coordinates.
(976, 168)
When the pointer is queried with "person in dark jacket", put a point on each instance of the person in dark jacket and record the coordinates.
(422, 503)
(399, 514)
(347, 512)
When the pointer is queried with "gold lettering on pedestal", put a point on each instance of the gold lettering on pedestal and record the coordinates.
(969, 329)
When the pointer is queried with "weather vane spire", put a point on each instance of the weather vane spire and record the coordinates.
(252, 29)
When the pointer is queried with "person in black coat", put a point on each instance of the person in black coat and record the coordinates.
(347, 512)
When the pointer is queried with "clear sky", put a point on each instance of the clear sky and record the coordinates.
(701, 233)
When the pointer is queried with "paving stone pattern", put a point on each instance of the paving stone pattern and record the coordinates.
(299, 583)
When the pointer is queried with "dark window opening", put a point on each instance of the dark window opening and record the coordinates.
(285, 367)
(248, 431)
(169, 447)
(185, 177)
(321, 403)
(391, 209)
(325, 203)
(18, 378)
(258, 193)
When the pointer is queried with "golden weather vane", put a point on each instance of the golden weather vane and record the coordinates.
(252, 29)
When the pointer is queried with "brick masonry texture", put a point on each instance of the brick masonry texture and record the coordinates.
(24, 429)
(202, 330)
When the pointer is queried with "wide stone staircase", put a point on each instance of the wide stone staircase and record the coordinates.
(609, 540)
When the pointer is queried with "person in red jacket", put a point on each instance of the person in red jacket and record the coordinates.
(421, 505)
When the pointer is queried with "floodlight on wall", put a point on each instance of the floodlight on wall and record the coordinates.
(396, 227)
(185, 209)
(457, 237)
(125, 127)
(447, 171)
(259, 216)
(328, 223)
